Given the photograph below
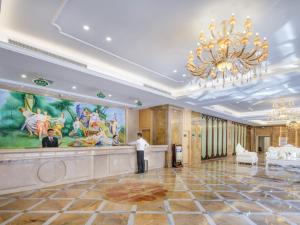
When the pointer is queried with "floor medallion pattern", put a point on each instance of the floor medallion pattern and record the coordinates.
(135, 192)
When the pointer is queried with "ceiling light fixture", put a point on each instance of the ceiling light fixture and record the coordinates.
(283, 110)
(174, 71)
(184, 75)
(227, 56)
(109, 95)
(86, 27)
(108, 39)
(74, 87)
(24, 76)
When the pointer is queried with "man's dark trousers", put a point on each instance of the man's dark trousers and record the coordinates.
(140, 161)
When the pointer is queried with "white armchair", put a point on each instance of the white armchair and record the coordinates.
(244, 156)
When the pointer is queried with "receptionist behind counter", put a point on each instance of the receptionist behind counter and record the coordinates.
(115, 140)
(50, 141)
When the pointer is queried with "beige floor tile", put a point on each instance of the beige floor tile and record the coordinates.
(205, 195)
(232, 195)
(183, 206)
(248, 206)
(80, 186)
(68, 194)
(216, 206)
(293, 217)
(229, 219)
(242, 187)
(268, 219)
(41, 194)
(157, 206)
(198, 187)
(31, 219)
(5, 216)
(97, 194)
(220, 187)
(286, 195)
(110, 206)
(20, 204)
(71, 219)
(258, 195)
(279, 206)
(52, 205)
(111, 219)
(85, 205)
(151, 219)
(190, 219)
(178, 195)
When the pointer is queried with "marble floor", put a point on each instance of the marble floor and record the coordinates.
(215, 192)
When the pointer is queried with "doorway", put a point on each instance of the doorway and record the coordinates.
(263, 143)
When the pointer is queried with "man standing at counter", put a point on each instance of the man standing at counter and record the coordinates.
(50, 141)
(141, 144)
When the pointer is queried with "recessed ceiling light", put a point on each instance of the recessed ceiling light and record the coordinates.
(23, 75)
(109, 95)
(184, 75)
(174, 71)
(108, 39)
(135, 101)
(74, 87)
(86, 27)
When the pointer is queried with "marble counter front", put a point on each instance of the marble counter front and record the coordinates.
(27, 169)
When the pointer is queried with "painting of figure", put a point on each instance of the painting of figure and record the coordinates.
(25, 119)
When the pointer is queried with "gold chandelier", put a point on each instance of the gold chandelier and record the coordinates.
(283, 110)
(293, 125)
(228, 56)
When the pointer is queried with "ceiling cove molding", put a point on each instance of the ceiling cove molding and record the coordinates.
(92, 72)
(45, 91)
(60, 30)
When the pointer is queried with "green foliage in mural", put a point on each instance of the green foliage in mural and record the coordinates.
(25, 118)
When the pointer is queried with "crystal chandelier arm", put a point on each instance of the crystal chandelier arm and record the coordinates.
(241, 52)
(246, 57)
(212, 55)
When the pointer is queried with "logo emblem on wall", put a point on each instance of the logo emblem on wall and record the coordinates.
(100, 94)
(41, 82)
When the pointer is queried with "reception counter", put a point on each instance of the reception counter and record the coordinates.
(27, 169)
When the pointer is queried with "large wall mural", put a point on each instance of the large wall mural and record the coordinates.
(25, 119)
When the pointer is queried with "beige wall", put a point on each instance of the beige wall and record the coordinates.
(186, 139)
(132, 124)
(229, 138)
(274, 132)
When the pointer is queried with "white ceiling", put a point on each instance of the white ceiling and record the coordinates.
(150, 39)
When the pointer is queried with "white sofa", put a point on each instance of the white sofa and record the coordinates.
(287, 155)
(244, 156)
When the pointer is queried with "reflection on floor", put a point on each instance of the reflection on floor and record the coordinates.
(215, 192)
